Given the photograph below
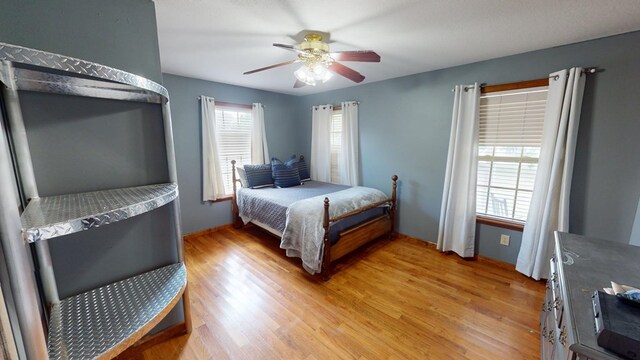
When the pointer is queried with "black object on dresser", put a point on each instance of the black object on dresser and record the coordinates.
(580, 266)
(617, 325)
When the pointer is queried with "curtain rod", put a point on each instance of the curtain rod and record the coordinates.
(230, 104)
(336, 105)
(587, 71)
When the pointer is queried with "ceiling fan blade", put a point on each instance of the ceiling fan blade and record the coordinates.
(363, 56)
(291, 47)
(298, 84)
(272, 66)
(347, 72)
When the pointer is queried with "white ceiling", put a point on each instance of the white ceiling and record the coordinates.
(218, 40)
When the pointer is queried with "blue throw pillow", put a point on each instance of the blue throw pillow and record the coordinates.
(276, 161)
(278, 164)
(303, 170)
(286, 177)
(258, 175)
(301, 165)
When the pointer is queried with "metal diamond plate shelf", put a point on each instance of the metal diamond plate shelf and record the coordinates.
(54, 216)
(23, 55)
(103, 322)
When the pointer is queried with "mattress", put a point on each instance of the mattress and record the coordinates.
(267, 207)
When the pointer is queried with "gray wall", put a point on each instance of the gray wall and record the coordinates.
(405, 123)
(81, 144)
(282, 136)
(488, 243)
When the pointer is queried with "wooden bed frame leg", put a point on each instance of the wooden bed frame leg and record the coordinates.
(237, 223)
(394, 180)
(325, 272)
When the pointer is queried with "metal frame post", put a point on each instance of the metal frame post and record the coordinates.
(7, 341)
(173, 177)
(27, 175)
(18, 261)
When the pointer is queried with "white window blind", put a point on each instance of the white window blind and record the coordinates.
(234, 140)
(509, 147)
(336, 145)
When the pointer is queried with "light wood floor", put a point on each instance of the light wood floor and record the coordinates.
(398, 299)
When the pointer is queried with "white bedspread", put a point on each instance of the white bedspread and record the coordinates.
(303, 233)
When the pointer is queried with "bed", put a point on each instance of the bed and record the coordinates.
(317, 222)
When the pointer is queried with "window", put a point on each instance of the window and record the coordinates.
(336, 144)
(509, 148)
(233, 132)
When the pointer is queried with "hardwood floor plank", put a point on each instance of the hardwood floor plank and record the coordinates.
(394, 299)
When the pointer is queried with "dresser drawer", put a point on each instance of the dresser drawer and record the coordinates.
(562, 342)
(548, 336)
(556, 305)
(553, 330)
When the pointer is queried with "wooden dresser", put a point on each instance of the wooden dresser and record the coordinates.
(579, 266)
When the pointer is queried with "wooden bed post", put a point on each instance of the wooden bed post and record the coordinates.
(325, 272)
(234, 201)
(394, 179)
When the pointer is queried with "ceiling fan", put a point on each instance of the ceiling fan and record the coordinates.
(319, 64)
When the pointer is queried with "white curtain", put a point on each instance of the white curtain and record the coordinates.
(634, 239)
(348, 162)
(259, 149)
(549, 209)
(321, 142)
(212, 185)
(458, 213)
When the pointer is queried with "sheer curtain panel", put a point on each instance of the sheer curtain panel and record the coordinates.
(549, 210)
(458, 213)
(349, 158)
(212, 184)
(259, 149)
(320, 142)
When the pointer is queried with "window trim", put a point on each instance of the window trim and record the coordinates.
(499, 222)
(231, 105)
(514, 86)
(495, 221)
(221, 199)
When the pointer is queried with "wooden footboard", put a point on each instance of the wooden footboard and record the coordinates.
(357, 236)
(353, 238)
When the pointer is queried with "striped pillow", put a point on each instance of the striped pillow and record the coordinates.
(303, 170)
(301, 165)
(258, 175)
(278, 164)
(286, 177)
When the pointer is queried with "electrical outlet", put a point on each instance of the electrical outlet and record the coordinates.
(504, 239)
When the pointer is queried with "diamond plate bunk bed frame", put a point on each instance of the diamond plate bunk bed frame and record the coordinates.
(103, 322)
(352, 238)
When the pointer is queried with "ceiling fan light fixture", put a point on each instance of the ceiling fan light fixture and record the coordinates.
(305, 75)
(321, 72)
(319, 64)
(314, 44)
(312, 72)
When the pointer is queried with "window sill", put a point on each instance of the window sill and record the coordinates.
(225, 198)
(501, 223)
